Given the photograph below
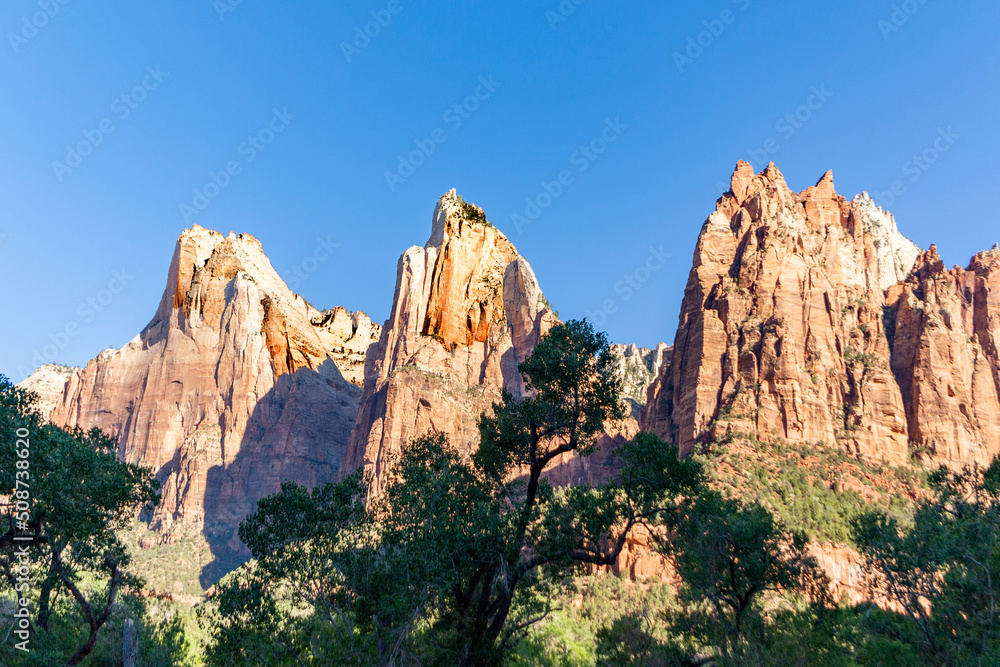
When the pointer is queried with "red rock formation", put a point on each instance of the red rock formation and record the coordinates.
(844, 568)
(780, 331)
(236, 385)
(467, 309)
(946, 332)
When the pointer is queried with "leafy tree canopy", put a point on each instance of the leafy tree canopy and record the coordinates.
(448, 565)
(944, 570)
(63, 496)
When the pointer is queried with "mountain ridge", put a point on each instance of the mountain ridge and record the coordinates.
(808, 319)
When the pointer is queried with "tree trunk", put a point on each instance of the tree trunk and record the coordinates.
(130, 643)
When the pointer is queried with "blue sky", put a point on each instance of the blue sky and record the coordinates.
(687, 90)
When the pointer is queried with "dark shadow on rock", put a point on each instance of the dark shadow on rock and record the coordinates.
(298, 432)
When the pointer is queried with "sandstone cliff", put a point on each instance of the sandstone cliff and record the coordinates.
(780, 330)
(467, 309)
(945, 330)
(235, 385)
(801, 322)
(48, 382)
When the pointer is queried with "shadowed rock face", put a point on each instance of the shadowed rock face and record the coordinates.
(799, 322)
(235, 385)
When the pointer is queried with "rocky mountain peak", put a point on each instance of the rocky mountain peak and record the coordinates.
(467, 260)
(236, 384)
(810, 319)
(467, 310)
(784, 296)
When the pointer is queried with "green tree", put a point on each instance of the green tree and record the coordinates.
(446, 564)
(317, 591)
(730, 554)
(944, 570)
(64, 495)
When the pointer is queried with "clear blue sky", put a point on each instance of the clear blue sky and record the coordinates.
(323, 175)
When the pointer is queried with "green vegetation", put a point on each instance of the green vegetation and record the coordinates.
(67, 583)
(600, 619)
(813, 489)
(542, 301)
(636, 378)
(852, 355)
(475, 559)
(731, 554)
(941, 572)
(944, 569)
(174, 567)
(473, 213)
(449, 563)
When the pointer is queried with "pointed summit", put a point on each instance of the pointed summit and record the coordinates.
(739, 183)
(824, 186)
(764, 259)
(235, 385)
(466, 310)
(826, 179)
(772, 173)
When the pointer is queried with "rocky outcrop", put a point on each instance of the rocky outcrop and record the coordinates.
(895, 254)
(638, 367)
(945, 332)
(467, 309)
(811, 319)
(780, 332)
(235, 385)
(48, 382)
(844, 567)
